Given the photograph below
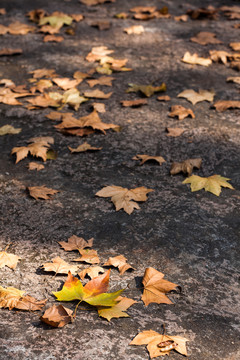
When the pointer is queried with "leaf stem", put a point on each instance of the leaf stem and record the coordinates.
(75, 311)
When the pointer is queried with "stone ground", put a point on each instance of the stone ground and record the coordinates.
(191, 237)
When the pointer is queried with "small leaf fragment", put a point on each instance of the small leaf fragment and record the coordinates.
(84, 147)
(92, 272)
(120, 262)
(57, 316)
(9, 129)
(145, 158)
(195, 59)
(185, 166)
(9, 260)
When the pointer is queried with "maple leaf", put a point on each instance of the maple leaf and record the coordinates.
(220, 55)
(145, 158)
(134, 29)
(195, 59)
(235, 79)
(181, 112)
(183, 18)
(38, 147)
(195, 97)
(84, 147)
(97, 94)
(93, 293)
(174, 131)
(41, 73)
(8, 51)
(185, 166)
(122, 197)
(97, 53)
(134, 103)
(160, 345)
(59, 266)
(92, 272)
(223, 105)
(147, 90)
(18, 28)
(54, 38)
(204, 38)
(155, 287)
(35, 166)
(66, 83)
(89, 256)
(163, 98)
(210, 12)
(7, 259)
(8, 97)
(76, 243)
(120, 262)
(235, 46)
(13, 298)
(116, 311)
(56, 20)
(9, 129)
(41, 192)
(36, 15)
(41, 85)
(44, 100)
(103, 80)
(73, 98)
(57, 316)
(212, 183)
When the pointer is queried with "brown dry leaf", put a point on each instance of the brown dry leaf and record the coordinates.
(223, 105)
(84, 147)
(143, 9)
(44, 101)
(78, 75)
(13, 298)
(183, 18)
(235, 79)
(122, 197)
(57, 316)
(3, 30)
(66, 83)
(41, 192)
(220, 56)
(197, 14)
(94, 2)
(55, 115)
(9, 260)
(160, 345)
(181, 112)
(195, 97)
(116, 311)
(120, 262)
(99, 107)
(59, 266)
(10, 51)
(163, 98)
(9, 129)
(235, 65)
(35, 166)
(38, 147)
(29, 303)
(134, 103)
(78, 132)
(155, 287)
(147, 12)
(232, 12)
(134, 29)
(41, 85)
(103, 80)
(195, 59)
(185, 166)
(49, 29)
(76, 243)
(101, 25)
(7, 83)
(92, 272)
(97, 53)
(97, 94)
(174, 132)
(147, 90)
(204, 38)
(145, 158)
(36, 15)
(235, 46)
(88, 255)
(43, 73)
(71, 97)
(2, 11)
(77, 17)
(18, 28)
(53, 38)
(8, 97)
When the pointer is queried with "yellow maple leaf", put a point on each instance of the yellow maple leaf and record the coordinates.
(212, 183)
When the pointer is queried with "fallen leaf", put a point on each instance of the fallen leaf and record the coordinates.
(174, 132)
(204, 38)
(101, 25)
(9, 260)
(10, 51)
(3, 29)
(159, 345)
(99, 107)
(144, 9)
(76, 243)
(92, 272)
(18, 28)
(235, 79)
(8, 97)
(41, 192)
(66, 83)
(212, 183)
(235, 46)
(55, 115)
(29, 303)
(145, 158)
(163, 98)
(183, 18)
(77, 17)
(9, 129)
(43, 73)
(38, 147)
(97, 94)
(195, 59)
(121, 15)
(44, 101)
(89, 256)
(57, 316)
(223, 105)
(220, 55)
(56, 20)
(155, 287)
(84, 147)
(2, 11)
(116, 311)
(59, 266)
(120, 262)
(147, 90)
(181, 112)
(197, 14)
(41, 85)
(195, 97)
(73, 98)
(53, 38)
(97, 53)
(235, 65)
(122, 197)
(134, 29)
(93, 293)
(35, 166)
(134, 103)
(13, 298)
(185, 166)
(103, 80)
(94, 2)
(7, 83)
(81, 76)
(36, 15)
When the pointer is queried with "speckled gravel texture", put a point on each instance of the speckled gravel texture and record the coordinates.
(193, 238)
